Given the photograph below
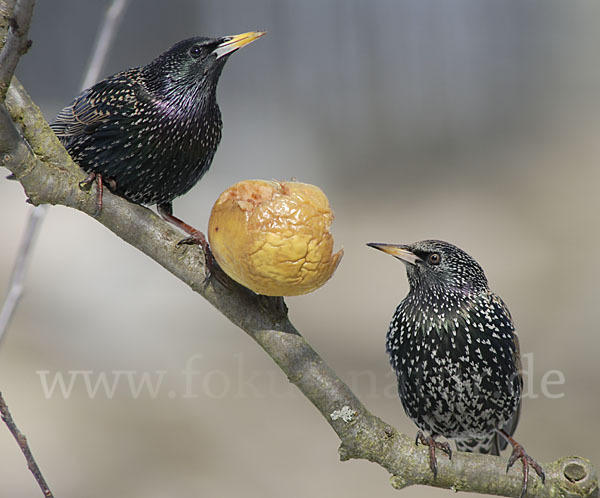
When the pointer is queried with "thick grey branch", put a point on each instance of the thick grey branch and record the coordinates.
(49, 176)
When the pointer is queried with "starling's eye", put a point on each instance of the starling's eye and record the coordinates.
(195, 51)
(434, 258)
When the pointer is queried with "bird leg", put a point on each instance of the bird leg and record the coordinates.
(196, 237)
(87, 183)
(519, 453)
(433, 444)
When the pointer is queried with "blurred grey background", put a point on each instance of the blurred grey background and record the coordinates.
(474, 122)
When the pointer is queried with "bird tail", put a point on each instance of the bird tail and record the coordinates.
(492, 444)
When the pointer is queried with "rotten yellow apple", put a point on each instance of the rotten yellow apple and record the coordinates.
(273, 237)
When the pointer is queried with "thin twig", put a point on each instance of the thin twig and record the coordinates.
(53, 178)
(18, 16)
(22, 442)
(15, 289)
(106, 36)
(104, 41)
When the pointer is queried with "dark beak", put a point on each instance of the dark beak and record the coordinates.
(402, 252)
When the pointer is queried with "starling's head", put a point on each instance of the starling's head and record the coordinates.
(193, 64)
(438, 265)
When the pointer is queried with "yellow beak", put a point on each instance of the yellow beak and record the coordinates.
(402, 252)
(232, 43)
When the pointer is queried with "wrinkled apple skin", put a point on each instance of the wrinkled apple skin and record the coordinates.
(273, 237)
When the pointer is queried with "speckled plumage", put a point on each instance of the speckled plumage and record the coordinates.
(453, 347)
(151, 131)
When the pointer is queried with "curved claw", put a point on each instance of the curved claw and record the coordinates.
(212, 267)
(445, 447)
(87, 184)
(433, 444)
(518, 453)
(197, 239)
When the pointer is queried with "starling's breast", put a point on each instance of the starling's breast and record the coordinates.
(456, 368)
(154, 152)
(172, 156)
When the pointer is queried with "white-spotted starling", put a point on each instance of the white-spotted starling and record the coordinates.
(150, 133)
(454, 349)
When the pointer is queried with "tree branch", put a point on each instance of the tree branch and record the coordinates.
(106, 34)
(22, 442)
(17, 279)
(18, 15)
(48, 175)
(104, 41)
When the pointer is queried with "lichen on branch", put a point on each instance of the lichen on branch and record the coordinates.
(31, 151)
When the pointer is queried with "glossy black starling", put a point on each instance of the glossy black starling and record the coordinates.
(150, 133)
(454, 349)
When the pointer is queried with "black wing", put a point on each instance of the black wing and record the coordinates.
(107, 100)
(511, 426)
